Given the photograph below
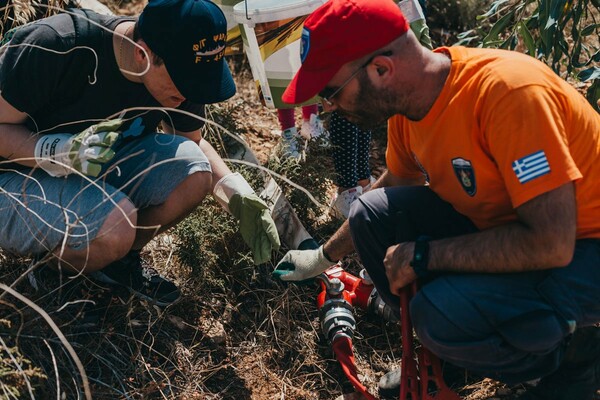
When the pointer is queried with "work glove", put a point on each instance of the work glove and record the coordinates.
(300, 265)
(421, 31)
(62, 154)
(414, 15)
(256, 225)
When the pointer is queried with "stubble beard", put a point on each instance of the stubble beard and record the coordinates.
(373, 106)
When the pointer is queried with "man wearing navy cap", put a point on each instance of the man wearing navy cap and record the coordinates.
(86, 177)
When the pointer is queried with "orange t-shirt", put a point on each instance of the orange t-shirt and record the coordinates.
(504, 129)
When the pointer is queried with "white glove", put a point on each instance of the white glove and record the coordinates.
(229, 185)
(300, 265)
(62, 153)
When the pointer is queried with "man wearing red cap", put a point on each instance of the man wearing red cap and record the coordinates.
(490, 199)
(87, 180)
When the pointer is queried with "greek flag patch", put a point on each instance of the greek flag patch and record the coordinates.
(531, 166)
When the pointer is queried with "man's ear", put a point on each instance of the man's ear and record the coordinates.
(384, 67)
(142, 51)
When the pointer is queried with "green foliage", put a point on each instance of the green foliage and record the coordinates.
(452, 16)
(314, 175)
(208, 241)
(562, 33)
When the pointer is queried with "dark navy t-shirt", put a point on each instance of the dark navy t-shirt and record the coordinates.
(50, 72)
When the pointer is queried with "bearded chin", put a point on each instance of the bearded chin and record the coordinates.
(373, 105)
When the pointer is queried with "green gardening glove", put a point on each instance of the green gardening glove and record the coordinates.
(414, 15)
(256, 225)
(63, 154)
(421, 31)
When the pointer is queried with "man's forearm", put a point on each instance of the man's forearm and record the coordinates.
(543, 238)
(17, 143)
(339, 244)
(508, 248)
(218, 166)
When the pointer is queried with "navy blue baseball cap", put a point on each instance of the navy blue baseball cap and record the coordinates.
(190, 36)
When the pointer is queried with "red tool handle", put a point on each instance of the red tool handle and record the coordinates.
(429, 371)
(409, 377)
(342, 347)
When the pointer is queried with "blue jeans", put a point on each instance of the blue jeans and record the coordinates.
(38, 211)
(511, 327)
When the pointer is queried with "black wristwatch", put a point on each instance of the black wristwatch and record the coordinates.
(421, 257)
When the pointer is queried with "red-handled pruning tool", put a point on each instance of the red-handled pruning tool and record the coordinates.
(340, 292)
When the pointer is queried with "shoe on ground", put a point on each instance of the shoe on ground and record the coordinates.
(389, 385)
(313, 128)
(578, 376)
(341, 202)
(140, 279)
(75, 300)
(291, 144)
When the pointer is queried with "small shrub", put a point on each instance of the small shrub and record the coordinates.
(562, 33)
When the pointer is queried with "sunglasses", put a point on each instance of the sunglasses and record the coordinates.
(329, 93)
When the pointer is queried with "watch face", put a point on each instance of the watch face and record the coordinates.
(421, 256)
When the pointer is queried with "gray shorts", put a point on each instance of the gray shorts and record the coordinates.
(38, 212)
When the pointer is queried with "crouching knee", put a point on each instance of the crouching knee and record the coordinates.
(119, 230)
(112, 242)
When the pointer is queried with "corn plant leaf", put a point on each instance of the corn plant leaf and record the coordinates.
(493, 9)
(499, 26)
(588, 30)
(589, 74)
(527, 38)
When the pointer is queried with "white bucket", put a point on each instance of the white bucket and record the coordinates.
(271, 31)
(234, 37)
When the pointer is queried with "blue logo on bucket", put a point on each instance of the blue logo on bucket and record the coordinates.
(304, 44)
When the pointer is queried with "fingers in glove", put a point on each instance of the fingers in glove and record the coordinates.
(261, 249)
(87, 168)
(270, 230)
(286, 272)
(98, 154)
(111, 125)
(105, 139)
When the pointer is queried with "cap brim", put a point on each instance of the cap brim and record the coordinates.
(306, 84)
(210, 85)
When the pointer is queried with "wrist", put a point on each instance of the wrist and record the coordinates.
(326, 255)
(323, 261)
(420, 260)
(51, 155)
(228, 186)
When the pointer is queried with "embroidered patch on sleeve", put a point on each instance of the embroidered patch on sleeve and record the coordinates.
(531, 166)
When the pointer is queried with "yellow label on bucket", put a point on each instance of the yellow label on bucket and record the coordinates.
(275, 35)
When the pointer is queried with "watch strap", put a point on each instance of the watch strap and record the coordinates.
(420, 259)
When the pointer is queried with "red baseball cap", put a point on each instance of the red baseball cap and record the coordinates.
(338, 32)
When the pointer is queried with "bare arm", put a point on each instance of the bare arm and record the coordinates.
(340, 244)
(542, 238)
(17, 143)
